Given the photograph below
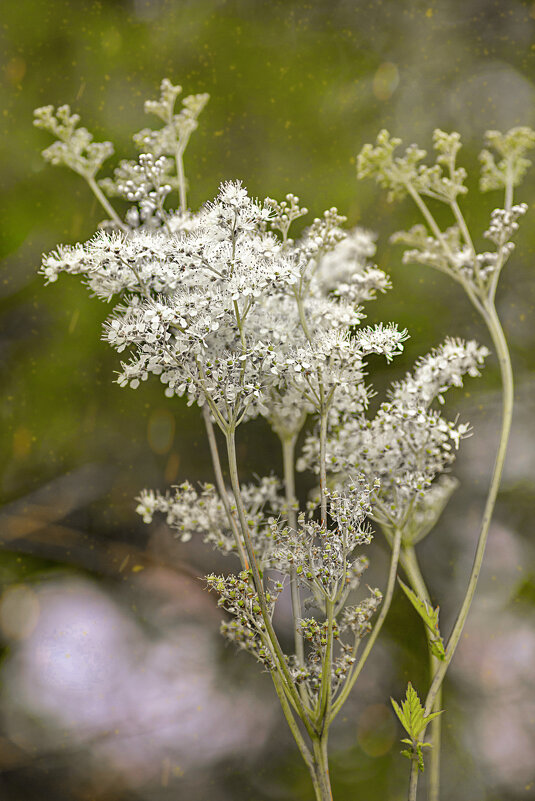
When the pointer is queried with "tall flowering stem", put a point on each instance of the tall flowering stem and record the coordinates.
(453, 252)
(500, 343)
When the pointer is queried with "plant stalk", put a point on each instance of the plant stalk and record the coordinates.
(319, 745)
(411, 567)
(259, 586)
(413, 781)
(106, 205)
(288, 458)
(294, 728)
(220, 484)
(504, 359)
(387, 600)
(179, 161)
(323, 464)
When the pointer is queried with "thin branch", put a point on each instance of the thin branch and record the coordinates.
(394, 559)
(105, 203)
(502, 350)
(220, 483)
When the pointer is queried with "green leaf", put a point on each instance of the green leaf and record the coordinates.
(413, 719)
(411, 713)
(429, 617)
(427, 613)
(428, 719)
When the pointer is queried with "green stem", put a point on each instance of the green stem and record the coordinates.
(461, 222)
(411, 567)
(433, 781)
(317, 764)
(509, 188)
(413, 781)
(220, 484)
(429, 218)
(504, 359)
(259, 586)
(294, 728)
(422, 206)
(394, 559)
(319, 745)
(325, 700)
(288, 459)
(323, 462)
(179, 160)
(302, 317)
(502, 351)
(105, 203)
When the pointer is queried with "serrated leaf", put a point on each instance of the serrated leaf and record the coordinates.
(429, 718)
(397, 708)
(426, 612)
(411, 712)
(429, 617)
(413, 719)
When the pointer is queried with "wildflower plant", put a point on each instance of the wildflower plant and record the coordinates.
(231, 313)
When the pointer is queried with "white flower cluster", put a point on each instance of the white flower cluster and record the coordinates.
(74, 147)
(147, 183)
(226, 312)
(355, 621)
(503, 223)
(407, 444)
(442, 368)
(284, 213)
(451, 254)
(221, 304)
(177, 128)
(452, 251)
(323, 556)
(346, 272)
(201, 512)
(247, 629)
(324, 560)
(113, 263)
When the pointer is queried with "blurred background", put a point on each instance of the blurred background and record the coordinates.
(114, 682)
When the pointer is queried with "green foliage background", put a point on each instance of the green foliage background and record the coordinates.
(296, 89)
